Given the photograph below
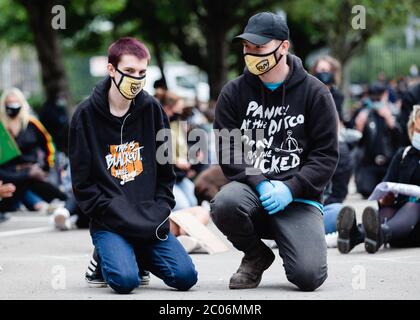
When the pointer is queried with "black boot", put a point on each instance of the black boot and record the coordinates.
(252, 267)
(377, 234)
(349, 234)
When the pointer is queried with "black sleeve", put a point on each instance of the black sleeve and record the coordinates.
(319, 166)
(87, 193)
(393, 172)
(165, 171)
(228, 148)
(338, 100)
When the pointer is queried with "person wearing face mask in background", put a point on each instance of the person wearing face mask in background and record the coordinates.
(276, 189)
(397, 221)
(120, 180)
(381, 137)
(328, 71)
(29, 171)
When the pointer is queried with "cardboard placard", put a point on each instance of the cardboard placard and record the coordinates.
(209, 241)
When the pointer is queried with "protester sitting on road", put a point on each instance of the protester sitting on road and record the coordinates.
(397, 221)
(28, 171)
(381, 139)
(337, 190)
(184, 188)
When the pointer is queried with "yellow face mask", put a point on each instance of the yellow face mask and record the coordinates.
(130, 86)
(261, 63)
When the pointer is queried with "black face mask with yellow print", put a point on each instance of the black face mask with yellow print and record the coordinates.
(259, 64)
(129, 86)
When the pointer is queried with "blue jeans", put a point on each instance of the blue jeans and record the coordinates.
(121, 259)
(30, 199)
(184, 194)
(330, 216)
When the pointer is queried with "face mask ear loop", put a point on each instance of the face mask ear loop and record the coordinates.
(121, 79)
(281, 55)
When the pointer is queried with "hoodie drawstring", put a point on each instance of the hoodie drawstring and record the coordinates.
(156, 231)
(121, 137)
(122, 127)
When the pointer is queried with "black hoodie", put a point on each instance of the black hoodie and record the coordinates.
(300, 123)
(116, 178)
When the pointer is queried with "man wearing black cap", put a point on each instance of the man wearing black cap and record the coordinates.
(288, 149)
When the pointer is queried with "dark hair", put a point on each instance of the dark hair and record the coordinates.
(377, 89)
(160, 83)
(127, 45)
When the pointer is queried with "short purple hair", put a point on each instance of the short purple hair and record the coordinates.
(127, 45)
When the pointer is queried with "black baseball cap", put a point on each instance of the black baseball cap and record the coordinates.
(264, 27)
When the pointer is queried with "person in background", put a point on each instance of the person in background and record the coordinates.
(410, 98)
(160, 89)
(53, 115)
(397, 221)
(381, 137)
(328, 71)
(184, 188)
(29, 171)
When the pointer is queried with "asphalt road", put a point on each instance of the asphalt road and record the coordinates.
(38, 262)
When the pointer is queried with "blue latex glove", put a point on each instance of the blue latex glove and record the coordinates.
(264, 187)
(278, 198)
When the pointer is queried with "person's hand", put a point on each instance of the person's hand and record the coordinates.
(361, 119)
(183, 165)
(387, 200)
(278, 198)
(386, 113)
(35, 172)
(264, 187)
(6, 190)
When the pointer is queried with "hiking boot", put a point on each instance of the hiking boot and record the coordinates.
(348, 233)
(377, 233)
(251, 269)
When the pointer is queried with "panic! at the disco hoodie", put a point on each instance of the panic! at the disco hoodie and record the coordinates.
(116, 178)
(299, 121)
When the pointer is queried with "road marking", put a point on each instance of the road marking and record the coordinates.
(25, 231)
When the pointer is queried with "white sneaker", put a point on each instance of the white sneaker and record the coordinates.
(331, 239)
(54, 205)
(61, 219)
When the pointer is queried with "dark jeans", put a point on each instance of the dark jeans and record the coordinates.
(404, 224)
(121, 259)
(298, 232)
